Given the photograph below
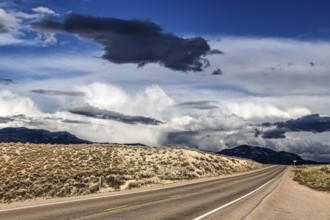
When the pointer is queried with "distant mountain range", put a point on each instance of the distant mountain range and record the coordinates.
(38, 136)
(265, 155)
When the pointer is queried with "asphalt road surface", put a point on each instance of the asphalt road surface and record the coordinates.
(226, 198)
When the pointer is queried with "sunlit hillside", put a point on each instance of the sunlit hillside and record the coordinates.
(28, 170)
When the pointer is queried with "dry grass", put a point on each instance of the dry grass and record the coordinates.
(317, 177)
(29, 171)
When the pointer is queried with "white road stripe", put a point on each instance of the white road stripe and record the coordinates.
(236, 200)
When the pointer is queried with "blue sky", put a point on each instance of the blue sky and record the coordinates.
(250, 17)
(207, 74)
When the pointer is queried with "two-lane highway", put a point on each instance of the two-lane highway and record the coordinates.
(191, 201)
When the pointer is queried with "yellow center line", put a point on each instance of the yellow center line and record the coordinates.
(116, 208)
(175, 196)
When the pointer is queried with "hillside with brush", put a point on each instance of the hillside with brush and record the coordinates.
(30, 171)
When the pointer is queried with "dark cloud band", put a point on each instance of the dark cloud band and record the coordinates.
(201, 105)
(217, 72)
(311, 123)
(94, 112)
(274, 133)
(135, 41)
(6, 81)
(5, 120)
(57, 92)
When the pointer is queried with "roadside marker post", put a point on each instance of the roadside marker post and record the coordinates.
(100, 183)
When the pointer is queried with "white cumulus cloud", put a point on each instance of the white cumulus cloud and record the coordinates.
(8, 23)
(14, 104)
(44, 11)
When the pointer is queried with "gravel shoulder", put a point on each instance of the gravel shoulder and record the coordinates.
(290, 200)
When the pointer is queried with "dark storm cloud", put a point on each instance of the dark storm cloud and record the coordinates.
(266, 124)
(5, 120)
(257, 132)
(311, 150)
(3, 28)
(215, 51)
(311, 123)
(94, 112)
(202, 105)
(69, 121)
(184, 138)
(57, 92)
(135, 41)
(18, 117)
(30, 121)
(207, 139)
(274, 133)
(6, 81)
(217, 72)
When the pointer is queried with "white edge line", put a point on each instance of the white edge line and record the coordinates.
(236, 200)
(93, 198)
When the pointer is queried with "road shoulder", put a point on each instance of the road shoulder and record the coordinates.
(290, 200)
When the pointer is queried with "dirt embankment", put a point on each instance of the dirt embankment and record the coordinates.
(313, 176)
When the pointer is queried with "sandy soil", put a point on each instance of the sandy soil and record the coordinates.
(290, 200)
